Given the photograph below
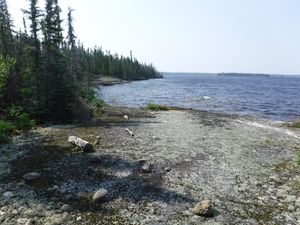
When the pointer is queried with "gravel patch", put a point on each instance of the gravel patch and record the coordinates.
(175, 160)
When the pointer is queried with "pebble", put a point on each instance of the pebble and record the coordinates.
(146, 168)
(65, 207)
(291, 208)
(167, 169)
(78, 218)
(14, 212)
(30, 222)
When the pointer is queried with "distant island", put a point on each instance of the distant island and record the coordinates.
(244, 74)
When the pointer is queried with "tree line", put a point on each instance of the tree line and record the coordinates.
(44, 74)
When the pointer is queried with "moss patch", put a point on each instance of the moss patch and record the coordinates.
(282, 166)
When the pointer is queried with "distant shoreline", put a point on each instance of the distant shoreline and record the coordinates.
(109, 81)
(244, 74)
(233, 74)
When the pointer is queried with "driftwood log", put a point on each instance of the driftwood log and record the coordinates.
(84, 145)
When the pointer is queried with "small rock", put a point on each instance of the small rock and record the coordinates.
(65, 207)
(291, 208)
(100, 195)
(167, 169)
(28, 212)
(22, 221)
(31, 176)
(8, 194)
(186, 213)
(95, 158)
(30, 222)
(78, 218)
(14, 212)
(90, 171)
(146, 168)
(204, 208)
(126, 117)
(297, 202)
(56, 219)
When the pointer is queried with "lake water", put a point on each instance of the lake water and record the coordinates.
(275, 97)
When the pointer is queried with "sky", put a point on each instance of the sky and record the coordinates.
(258, 36)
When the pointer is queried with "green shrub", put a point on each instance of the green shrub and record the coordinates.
(296, 123)
(89, 95)
(6, 129)
(157, 107)
(24, 122)
(96, 104)
(21, 120)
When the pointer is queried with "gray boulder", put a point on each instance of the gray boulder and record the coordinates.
(32, 176)
(204, 208)
(100, 195)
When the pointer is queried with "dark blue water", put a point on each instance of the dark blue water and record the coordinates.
(275, 97)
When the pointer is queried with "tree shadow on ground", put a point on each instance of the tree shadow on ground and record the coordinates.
(71, 177)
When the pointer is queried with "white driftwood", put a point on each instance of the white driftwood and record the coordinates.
(84, 145)
(129, 132)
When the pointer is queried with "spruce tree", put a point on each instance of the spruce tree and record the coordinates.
(34, 14)
(58, 96)
(71, 38)
(6, 35)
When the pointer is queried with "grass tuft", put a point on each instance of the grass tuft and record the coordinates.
(298, 155)
(296, 123)
(157, 107)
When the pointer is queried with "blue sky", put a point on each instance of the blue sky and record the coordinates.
(192, 35)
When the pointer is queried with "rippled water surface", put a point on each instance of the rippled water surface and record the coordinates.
(275, 97)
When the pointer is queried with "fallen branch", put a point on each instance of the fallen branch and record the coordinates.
(97, 140)
(129, 132)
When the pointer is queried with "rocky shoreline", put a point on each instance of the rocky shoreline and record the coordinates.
(108, 81)
(176, 162)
